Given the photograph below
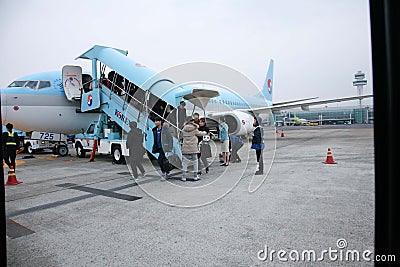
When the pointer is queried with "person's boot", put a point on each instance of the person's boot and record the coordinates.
(260, 168)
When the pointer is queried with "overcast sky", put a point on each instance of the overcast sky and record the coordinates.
(317, 45)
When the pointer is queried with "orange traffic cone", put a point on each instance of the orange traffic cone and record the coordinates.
(282, 134)
(12, 178)
(329, 158)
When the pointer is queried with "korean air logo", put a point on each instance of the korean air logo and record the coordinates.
(243, 122)
(90, 100)
(269, 85)
(121, 117)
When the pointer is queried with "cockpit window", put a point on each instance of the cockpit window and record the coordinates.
(44, 84)
(31, 84)
(18, 84)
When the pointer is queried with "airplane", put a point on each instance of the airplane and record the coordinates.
(38, 102)
(45, 102)
(299, 121)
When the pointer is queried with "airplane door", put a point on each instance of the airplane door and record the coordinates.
(72, 82)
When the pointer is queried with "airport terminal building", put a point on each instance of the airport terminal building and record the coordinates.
(342, 115)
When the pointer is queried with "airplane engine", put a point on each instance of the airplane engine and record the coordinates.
(240, 123)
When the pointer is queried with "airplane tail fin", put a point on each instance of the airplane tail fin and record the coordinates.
(267, 91)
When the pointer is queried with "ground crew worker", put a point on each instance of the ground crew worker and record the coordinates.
(10, 146)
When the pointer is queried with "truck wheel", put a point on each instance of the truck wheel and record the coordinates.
(28, 148)
(80, 152)
(62, 150)
(118, 158)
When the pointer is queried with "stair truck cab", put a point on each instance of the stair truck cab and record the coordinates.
(110, 137)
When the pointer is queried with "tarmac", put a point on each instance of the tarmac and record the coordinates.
(71, 212)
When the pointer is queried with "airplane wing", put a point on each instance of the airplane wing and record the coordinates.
(304, 105)
(294, 101)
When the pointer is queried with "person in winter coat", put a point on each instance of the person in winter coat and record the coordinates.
(134, 143)
(190, 132)
(181, 114)
(162, 144)
(257, 143)
(205, 149)
(196, 118)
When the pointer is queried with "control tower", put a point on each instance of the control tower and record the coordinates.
(359, 81)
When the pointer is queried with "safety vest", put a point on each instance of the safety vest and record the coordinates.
(11, 139)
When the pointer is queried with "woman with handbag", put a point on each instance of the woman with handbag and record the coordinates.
(257, 143)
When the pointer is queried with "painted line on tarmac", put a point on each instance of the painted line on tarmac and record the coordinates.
(15, 230)
(49, 205)
(52, 157)
(101, 192)
(18, 162)
(62, 202)
(306, 139)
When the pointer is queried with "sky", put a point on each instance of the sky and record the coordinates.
(317, 45)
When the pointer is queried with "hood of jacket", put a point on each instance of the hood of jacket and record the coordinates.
(190, 127)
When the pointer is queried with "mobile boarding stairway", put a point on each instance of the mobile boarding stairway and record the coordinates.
(113, 101)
